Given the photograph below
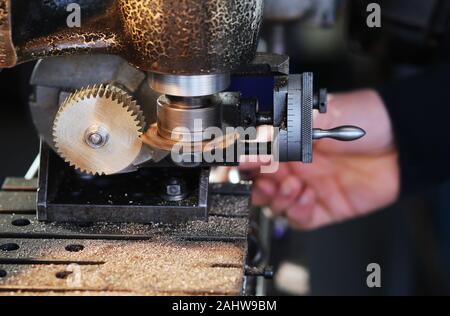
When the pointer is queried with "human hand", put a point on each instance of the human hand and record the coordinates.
(346, 179)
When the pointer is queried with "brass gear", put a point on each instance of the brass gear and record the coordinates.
(98, 130)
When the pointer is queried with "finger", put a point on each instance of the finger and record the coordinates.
(263, 192)
(252, 171)
(253, 162)
(282, 173)
(301, 213)
(320, 167)
(287, 194)
(264, 133)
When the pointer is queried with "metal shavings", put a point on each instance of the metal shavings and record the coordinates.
(132, 267)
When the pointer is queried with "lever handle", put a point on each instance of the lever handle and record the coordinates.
(342, 133)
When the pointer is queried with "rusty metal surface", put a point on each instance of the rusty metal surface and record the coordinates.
(7, 51)
(217, 228)
(196, 258)
(160, 267)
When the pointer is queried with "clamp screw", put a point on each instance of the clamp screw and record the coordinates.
(266, 272)
(321, 101)
(174, 189)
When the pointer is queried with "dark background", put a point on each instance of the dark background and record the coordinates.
(19, 143)
(411, 240)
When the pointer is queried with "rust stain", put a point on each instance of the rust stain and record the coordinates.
(163, 267)
(7, 52)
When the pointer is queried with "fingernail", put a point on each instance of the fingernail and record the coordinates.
(286, 189)
(256, 197)
(305, 199)
(266, 188)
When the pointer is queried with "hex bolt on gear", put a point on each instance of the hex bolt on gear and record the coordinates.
(96, 136)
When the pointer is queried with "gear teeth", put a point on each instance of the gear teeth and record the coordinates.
(122, 97)
(106, 91)
(137, 112)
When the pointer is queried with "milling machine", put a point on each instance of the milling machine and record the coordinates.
(134, 108)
